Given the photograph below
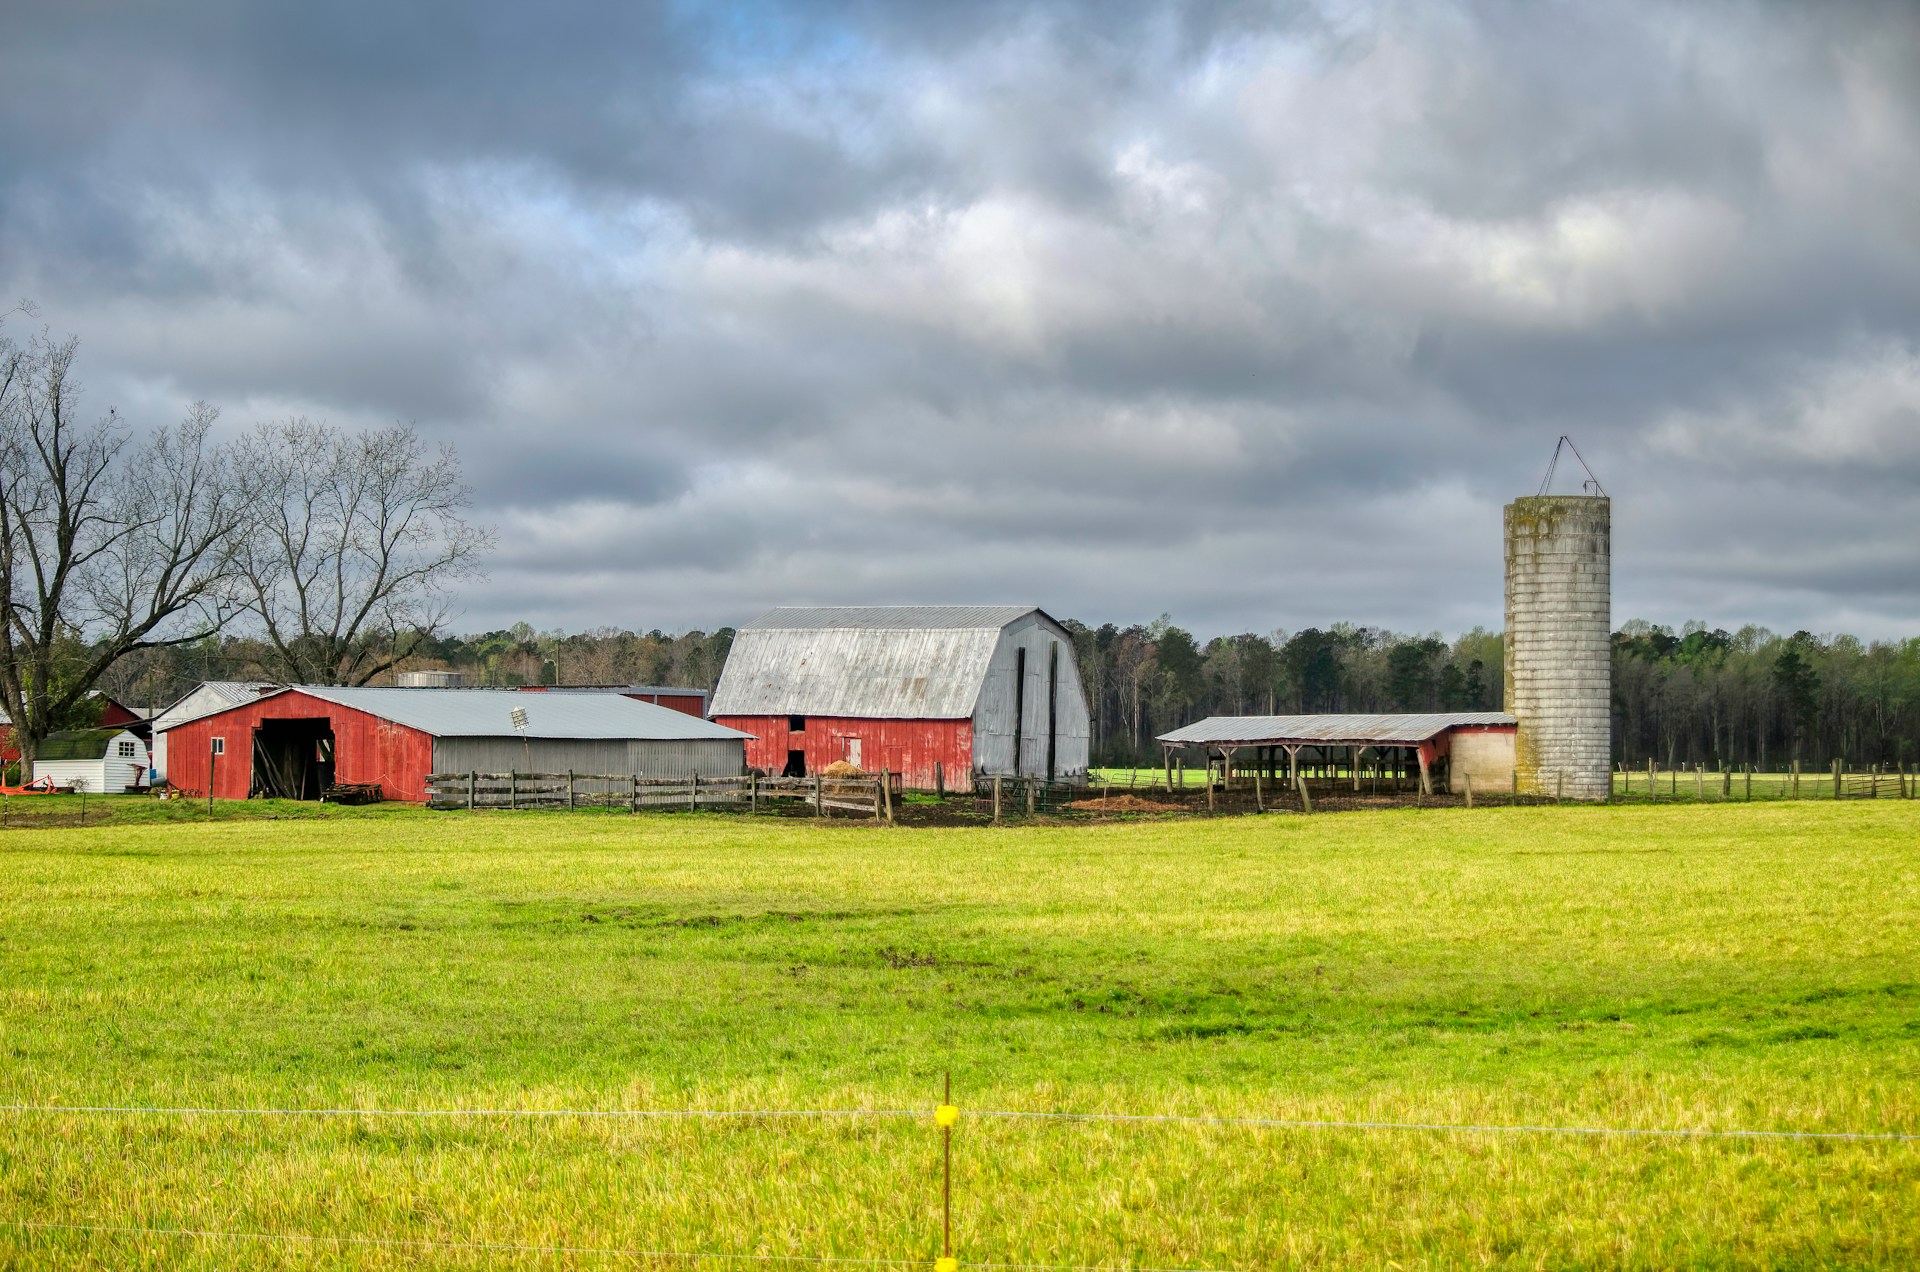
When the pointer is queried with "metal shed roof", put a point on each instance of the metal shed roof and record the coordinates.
(1338, 730)
(890, 662)
(486, 713)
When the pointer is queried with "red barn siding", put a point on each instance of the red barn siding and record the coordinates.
(365, 748)
(908, 747)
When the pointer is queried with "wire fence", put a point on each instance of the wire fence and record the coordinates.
(943, 1117)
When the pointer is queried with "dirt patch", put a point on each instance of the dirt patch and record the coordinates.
(1123, 804)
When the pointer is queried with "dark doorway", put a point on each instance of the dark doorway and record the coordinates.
(292, 759)
(796, 764)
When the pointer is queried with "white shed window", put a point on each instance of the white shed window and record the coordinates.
(124, 749)
(219, 746)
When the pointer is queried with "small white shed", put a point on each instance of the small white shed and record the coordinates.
(110, 761)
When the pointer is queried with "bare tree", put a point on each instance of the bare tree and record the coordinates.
(355, 540)
(106, 547)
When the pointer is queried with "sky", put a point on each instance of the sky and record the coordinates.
(1252, 314)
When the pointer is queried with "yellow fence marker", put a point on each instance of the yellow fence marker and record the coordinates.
(944, 1117)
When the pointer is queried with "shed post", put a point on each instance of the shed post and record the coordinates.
(1426, 779)
(1353, 764)
(1259, 803)
(1300, 784)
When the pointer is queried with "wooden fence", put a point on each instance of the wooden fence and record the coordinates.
(871, 796)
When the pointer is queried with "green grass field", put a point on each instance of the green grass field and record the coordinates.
(1706, 966)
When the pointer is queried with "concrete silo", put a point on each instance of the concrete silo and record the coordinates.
(1558, 655)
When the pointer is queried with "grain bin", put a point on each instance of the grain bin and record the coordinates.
(1558, 668)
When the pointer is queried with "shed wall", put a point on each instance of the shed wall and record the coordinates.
(1486, 754)
(994, 713)
(709, 757)
(110, 776)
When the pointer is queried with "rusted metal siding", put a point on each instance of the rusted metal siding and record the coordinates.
(908, 747)
(365, 747)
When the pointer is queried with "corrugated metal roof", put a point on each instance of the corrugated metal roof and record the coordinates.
(888, 662)
(664, 690)
(890, 618)
(209, 698)
(1345, 730)
(486, 713)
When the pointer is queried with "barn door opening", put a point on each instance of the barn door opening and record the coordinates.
(796, 764)
(292, 759)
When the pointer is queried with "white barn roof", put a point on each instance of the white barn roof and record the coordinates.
(487, 713)
(872, 662)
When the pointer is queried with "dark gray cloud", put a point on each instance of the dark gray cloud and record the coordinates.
(1254, 313)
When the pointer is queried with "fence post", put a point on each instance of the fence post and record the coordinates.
(1749, 783)
(1796, 779)
(569, 790)
(1300, 782)
(753, 793)
(819, 801)
(996, 796)
(886, 779)
(633, 793)
(1653, 782)
(213, 761)
(939, 780)
(1466, 783)
(693, 792)
(876, 798)
(1836, 779)
(1560, 787)
(1033, 796)
(513, 789)
(1259, 802)
(473, 782)
(1209, 786)
(1699, 781)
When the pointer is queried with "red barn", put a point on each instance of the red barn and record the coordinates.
(906, 688)
(295, 742)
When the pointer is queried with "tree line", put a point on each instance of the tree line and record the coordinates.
(335, 552)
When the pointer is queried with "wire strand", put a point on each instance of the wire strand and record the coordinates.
(1306, 1124)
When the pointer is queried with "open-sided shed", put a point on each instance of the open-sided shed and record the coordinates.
(296, 742)
(1462, 743)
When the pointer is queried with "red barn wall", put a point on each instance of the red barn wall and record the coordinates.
(686, 703)
(908, 747)
(365, 748)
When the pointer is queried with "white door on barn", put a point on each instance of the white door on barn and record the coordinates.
(853, 752)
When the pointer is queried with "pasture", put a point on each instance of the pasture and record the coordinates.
(1705, 967)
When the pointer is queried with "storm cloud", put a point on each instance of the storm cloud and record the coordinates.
(1251, 313)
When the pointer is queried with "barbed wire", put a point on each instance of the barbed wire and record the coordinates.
(508, 1247)
(1276, 1123)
